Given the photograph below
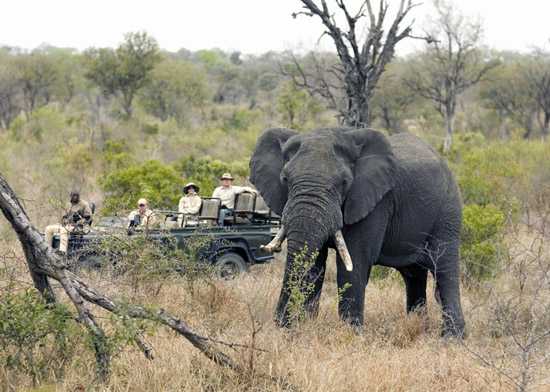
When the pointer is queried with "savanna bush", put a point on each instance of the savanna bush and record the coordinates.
(506, 174)
(206, 171)
(159, 183)
(481, 241)
(37, 340)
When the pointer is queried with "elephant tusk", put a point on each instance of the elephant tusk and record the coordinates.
(343, 250)
(275, 244)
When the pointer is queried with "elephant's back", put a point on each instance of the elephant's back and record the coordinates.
(410, 148)
(424, 186)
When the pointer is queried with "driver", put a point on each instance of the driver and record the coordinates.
(143, 217)
(77, 218)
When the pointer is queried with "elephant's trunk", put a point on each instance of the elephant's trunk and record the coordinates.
(308, 228)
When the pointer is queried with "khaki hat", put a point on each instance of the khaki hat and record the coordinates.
(142, 201)
(226, 176)
(191, 185)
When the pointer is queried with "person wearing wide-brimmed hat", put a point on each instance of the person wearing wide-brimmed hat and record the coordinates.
(190, 203)
(226, 193)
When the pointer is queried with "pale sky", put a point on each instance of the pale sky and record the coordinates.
(251, 26)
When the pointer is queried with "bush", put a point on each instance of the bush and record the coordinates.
(146, 263)
(36, 339)
(481, 241)
(205, 172)
(157, 182)
(501, 173)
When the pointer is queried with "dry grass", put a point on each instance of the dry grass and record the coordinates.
(396, 351)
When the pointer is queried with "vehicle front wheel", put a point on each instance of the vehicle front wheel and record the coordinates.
(229, 265)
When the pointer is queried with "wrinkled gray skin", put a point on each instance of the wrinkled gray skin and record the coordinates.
(394, 199)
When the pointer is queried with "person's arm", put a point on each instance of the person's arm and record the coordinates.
(216, 193)
(151, 219)
(241, 189)
(195, 205)
(181, 205)
(131, 218)
(87, 212)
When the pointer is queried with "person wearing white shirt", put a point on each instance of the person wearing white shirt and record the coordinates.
(226, 193)
(190, 203)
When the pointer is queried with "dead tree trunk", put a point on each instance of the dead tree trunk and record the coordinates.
(362, 62)
(44, 265)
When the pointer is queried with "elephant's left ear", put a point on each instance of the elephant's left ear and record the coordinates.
(374, 174)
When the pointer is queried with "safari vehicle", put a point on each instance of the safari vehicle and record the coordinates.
(233, 246)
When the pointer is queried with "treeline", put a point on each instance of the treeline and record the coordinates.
(512, 96)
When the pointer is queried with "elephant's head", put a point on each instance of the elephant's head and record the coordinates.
(319, 182)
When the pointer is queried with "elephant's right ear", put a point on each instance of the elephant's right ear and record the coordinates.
(266, 164)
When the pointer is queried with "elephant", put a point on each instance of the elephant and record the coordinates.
(390, 201)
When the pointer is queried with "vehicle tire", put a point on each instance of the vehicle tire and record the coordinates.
(230, 265)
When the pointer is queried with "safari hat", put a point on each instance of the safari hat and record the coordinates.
(226, 176)
(191, 185)
(142, 201)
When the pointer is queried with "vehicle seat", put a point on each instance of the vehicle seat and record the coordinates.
(210, 209)
(244, 207)
(171, 221)
(261, 207)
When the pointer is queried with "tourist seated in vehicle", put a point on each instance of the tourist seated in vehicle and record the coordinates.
(190, 203)
(226, 193)
(77, 219)
(142, 218)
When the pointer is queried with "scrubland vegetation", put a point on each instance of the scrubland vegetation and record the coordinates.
(119, 126)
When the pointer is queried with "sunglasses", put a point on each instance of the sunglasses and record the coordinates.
(141, 205)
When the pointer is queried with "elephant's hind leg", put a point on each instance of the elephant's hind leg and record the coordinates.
(445, 269)
(415, 277)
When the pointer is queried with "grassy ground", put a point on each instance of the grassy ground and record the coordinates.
(396, 351)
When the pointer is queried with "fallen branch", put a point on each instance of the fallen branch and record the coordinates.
(45, 264)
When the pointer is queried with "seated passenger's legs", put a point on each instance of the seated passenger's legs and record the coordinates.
(64, 238)
(50, 231)
(224, 213)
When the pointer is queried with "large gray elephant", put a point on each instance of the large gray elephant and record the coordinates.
(378, 200)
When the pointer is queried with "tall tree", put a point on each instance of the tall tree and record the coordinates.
(362, 61)
(37, 74)
(450, 65)
(10, 91)
(176, 87)
(537, 76)
(126, 70)
(392, 98)
(508, 93)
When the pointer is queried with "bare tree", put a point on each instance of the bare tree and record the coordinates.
(537, 75)
(451, 65)
(361, 61)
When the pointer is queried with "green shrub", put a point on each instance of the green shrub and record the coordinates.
(299, 287)
(36, 339)
(206, 172)
(116, 155)
(505, 174)
(160, 184)
(481, 241)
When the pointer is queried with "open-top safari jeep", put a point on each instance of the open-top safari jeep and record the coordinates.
(233, 246)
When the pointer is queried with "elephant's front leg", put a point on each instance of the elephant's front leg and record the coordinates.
(364, 241)
(313, 283)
